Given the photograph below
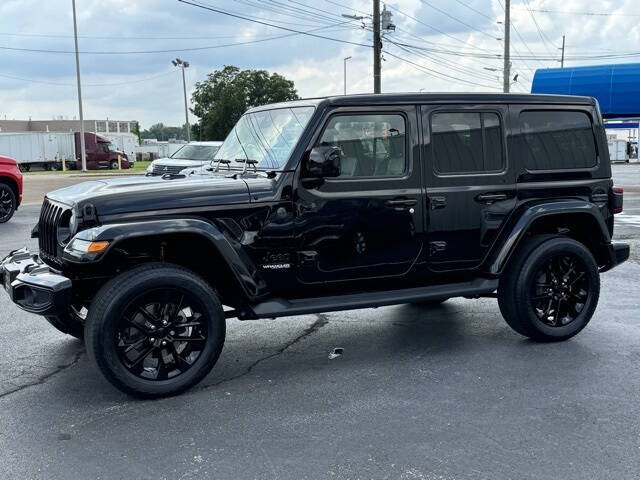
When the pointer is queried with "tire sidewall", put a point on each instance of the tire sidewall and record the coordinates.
(524, 284)
(6, 188)
(102, 332)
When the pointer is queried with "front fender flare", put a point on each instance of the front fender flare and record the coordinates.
(239, 263)
(517, 231)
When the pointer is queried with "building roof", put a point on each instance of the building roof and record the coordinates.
(616, 87)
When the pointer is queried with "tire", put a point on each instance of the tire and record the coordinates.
(113, 165)
(533, 296)
(69, 324)
(7, 203)
(111, 329)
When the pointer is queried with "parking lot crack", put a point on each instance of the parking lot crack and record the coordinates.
(42, 379)
(320, 322)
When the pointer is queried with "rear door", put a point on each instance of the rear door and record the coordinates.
(471, 190)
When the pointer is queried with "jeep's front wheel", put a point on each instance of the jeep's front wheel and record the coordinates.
(155, 330)
(551, 290)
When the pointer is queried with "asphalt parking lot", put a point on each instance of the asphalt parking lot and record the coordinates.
(420, 393)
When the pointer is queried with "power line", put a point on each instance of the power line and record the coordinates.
(128, 82)
(431, 27)
(450, 64)
(271, 25)
(475, 10)
(542, 36)
(192, 49)
(434, 72)
(456, 19)
(594, 14)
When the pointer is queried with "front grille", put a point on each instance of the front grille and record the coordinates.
(48, 229)
(167, 169)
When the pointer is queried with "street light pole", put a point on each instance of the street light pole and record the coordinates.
(83, 150)
(345, 74)
(183, 64)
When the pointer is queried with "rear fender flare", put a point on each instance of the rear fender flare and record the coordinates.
(498, 260)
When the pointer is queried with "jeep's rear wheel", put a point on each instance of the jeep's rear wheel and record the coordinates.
(155, 330)
(551, 290)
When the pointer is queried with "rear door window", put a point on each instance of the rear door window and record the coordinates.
(466, 142)
(557, 140)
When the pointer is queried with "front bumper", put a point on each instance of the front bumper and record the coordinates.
(32, 285)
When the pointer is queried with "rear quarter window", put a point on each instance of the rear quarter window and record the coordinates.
(557, 140)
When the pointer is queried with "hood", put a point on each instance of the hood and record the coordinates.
(7, 161)
(136, 194)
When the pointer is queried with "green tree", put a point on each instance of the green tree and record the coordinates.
(221, 99)
(162, 132)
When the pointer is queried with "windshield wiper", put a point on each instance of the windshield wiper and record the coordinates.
(222, 160)
(248, 161)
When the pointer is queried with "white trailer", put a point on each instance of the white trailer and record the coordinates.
(38, 148)
(125, 142)
(618, 150)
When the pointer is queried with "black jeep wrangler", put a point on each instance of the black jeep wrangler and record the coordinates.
(332, 204)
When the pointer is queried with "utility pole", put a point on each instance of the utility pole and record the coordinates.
(377, 46)
(182, 64)
(345, 74)
(83, 150)
(506, 75)
(562, 59)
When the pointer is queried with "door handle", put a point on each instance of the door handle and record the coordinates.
(437, 202)
(491, 197)
(402, 202)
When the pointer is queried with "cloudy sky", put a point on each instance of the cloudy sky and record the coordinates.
(438, 45)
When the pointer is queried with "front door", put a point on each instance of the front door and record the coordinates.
(470, 188)
(368, 222)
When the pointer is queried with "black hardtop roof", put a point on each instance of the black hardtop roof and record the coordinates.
(399, 98)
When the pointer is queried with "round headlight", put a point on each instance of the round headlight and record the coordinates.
(73, 224)
(67, 227)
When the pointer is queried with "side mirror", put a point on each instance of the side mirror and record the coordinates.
(323, 162)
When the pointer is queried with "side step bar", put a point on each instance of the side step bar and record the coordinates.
(279, 307)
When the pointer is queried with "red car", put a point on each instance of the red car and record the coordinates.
(10, 188)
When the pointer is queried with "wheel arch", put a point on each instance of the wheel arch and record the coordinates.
(196, 244)
(575, 219)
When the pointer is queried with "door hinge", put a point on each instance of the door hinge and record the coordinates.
(436, 247)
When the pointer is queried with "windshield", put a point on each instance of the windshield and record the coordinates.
(266, 137)
(195, 152)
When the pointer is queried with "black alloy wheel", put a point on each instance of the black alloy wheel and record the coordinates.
(161, 333)
(155, 330)
(550, 289)
(7, 203)
(560, 290)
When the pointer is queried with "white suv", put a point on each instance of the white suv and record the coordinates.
(191, 155)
